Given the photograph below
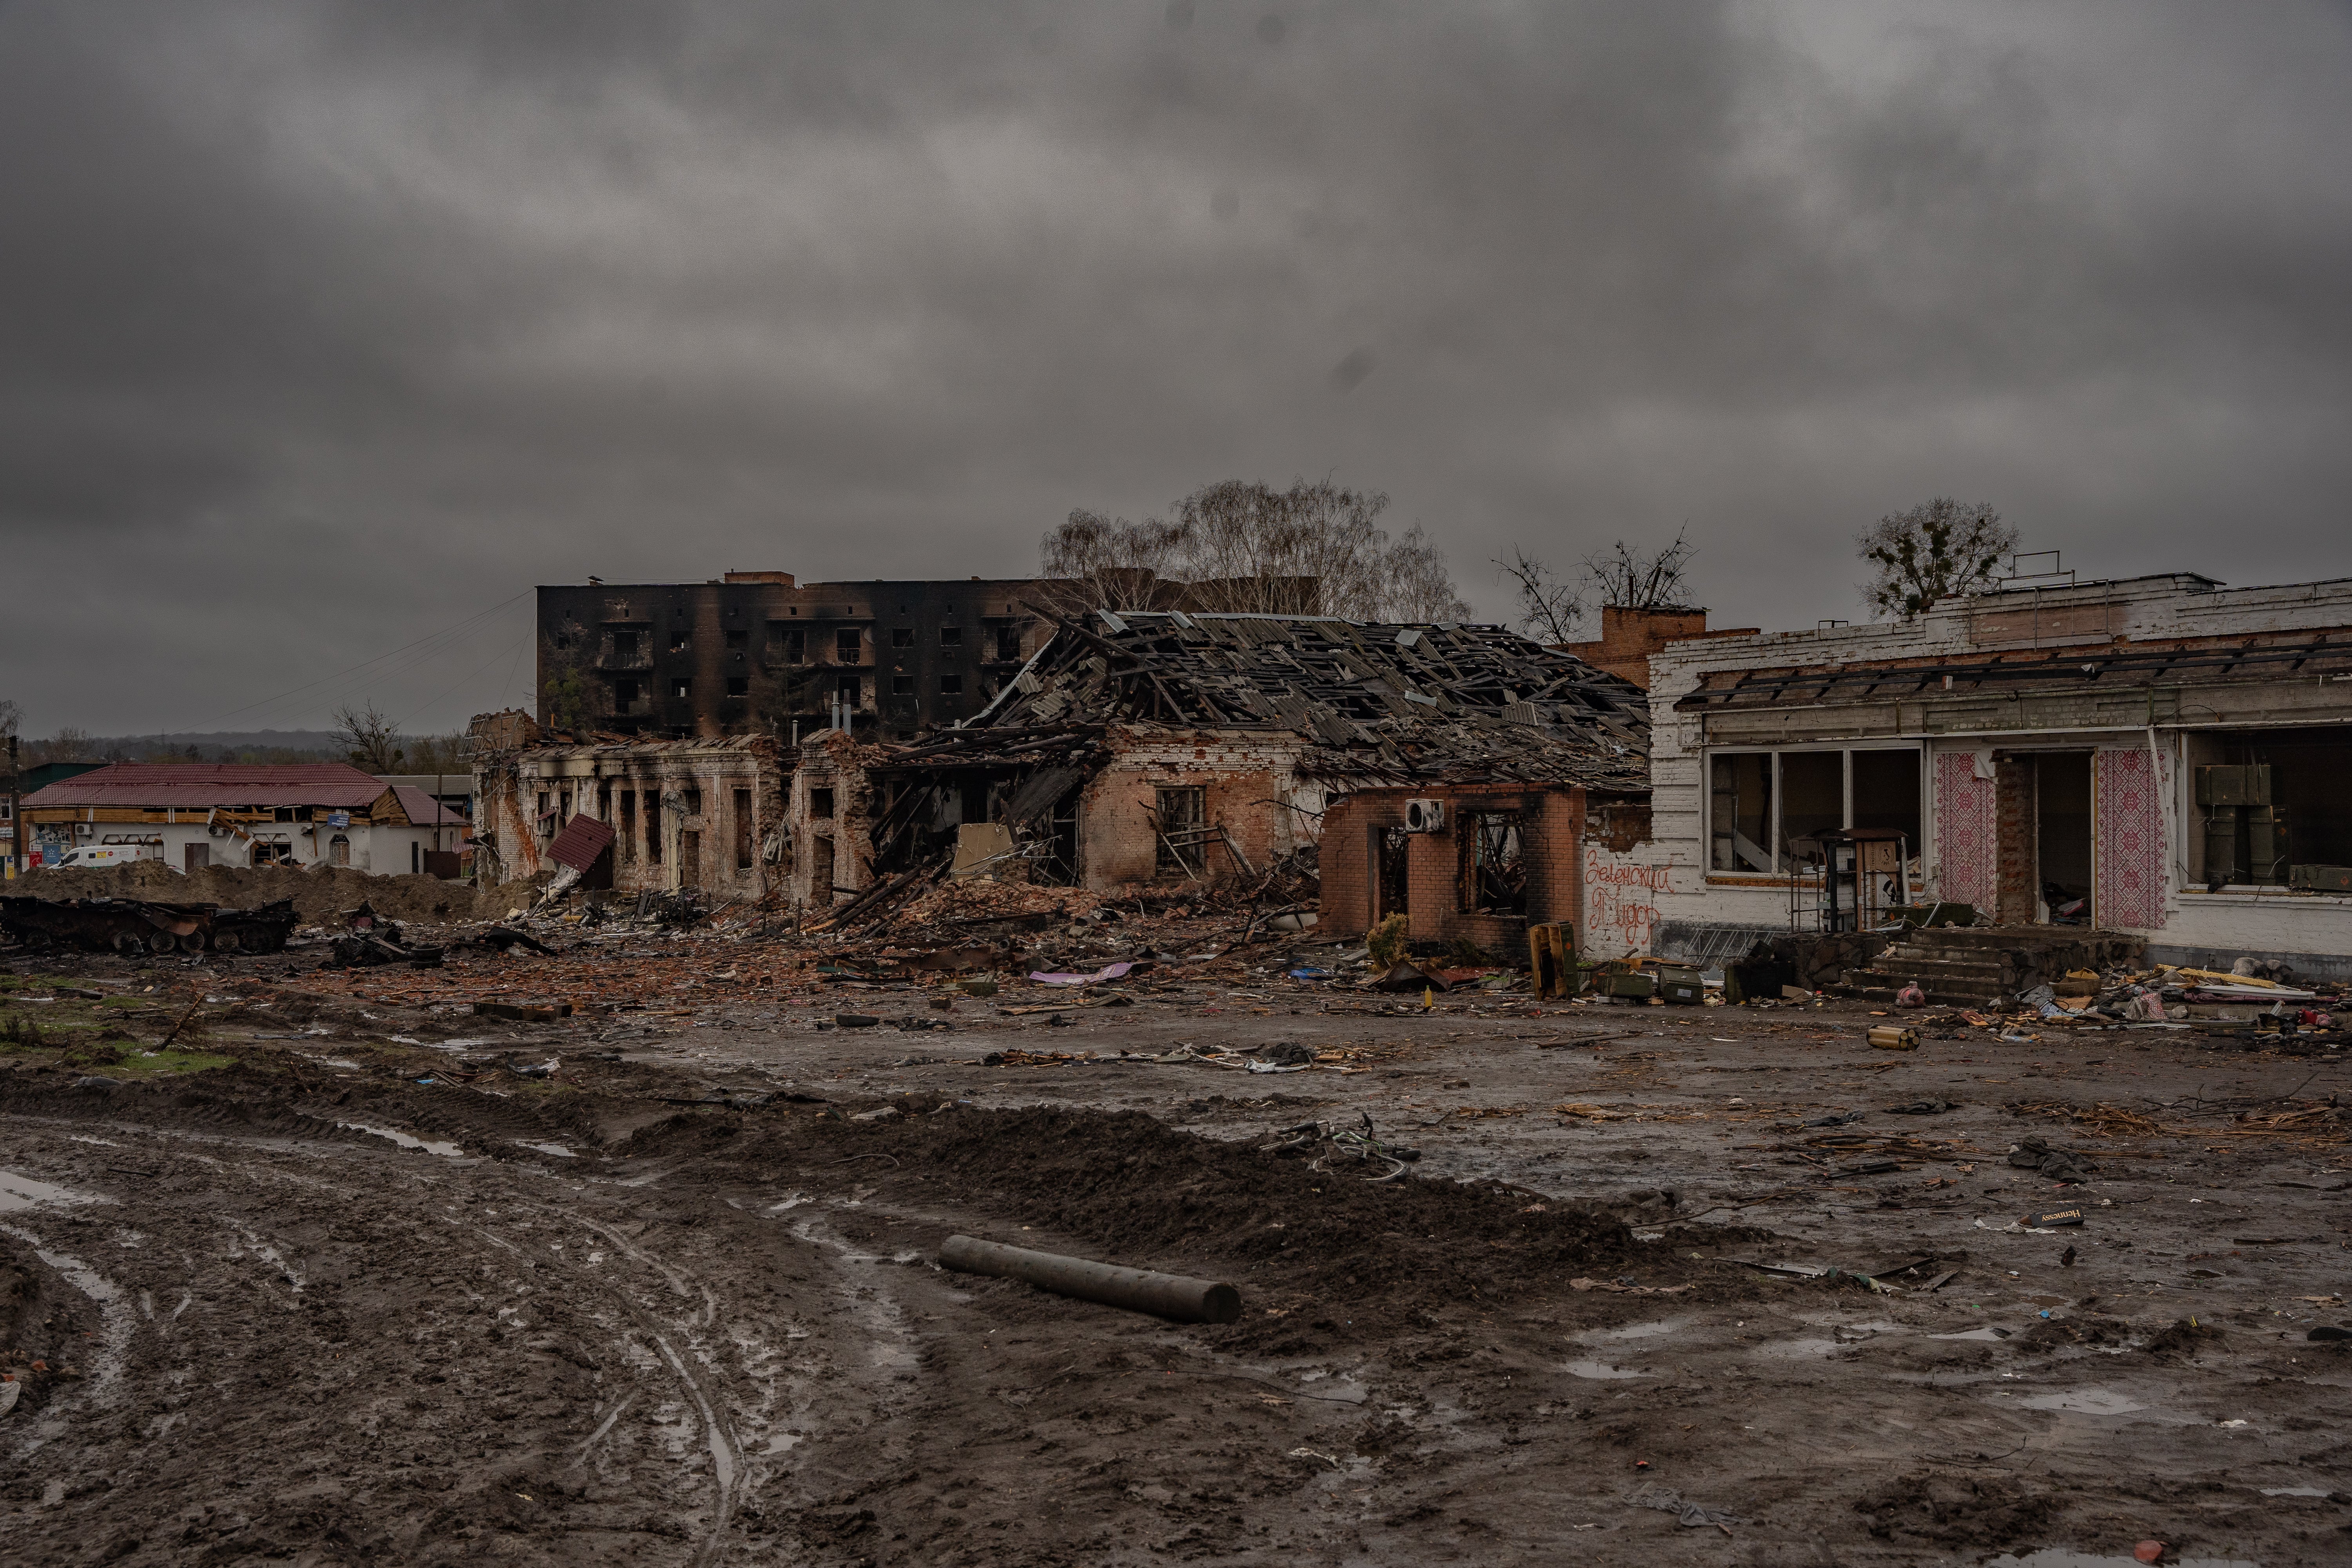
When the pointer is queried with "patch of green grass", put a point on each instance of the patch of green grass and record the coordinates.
(171, 1061)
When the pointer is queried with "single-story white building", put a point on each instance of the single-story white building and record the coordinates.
(2161, 756)
(231, 813)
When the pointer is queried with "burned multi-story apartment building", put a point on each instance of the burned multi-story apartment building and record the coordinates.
(759, 653)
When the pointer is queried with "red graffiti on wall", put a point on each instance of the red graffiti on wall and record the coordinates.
(1620, 896)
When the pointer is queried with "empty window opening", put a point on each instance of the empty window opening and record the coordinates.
(689, 858)
(951, 637)
(626, 648)
(693, 803)
(821, 804)
(846, 646)
(821, 887)
(624, 695)
(1812, 800)
(951, 685)
(743, 830)
(681, 686)
(902, 637)
(1180, 813)
(2267, 802)
(792, 646)
(739, 686)
(681, 640)
(849, 690)
(627, 837)
(1741, 812)
(902, 686)
(1391, 880)
(1008, 644)
(738, 640)
(1493, 870)
(1886, 793)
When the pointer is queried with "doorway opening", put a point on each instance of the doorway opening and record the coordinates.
(2061, 837)
(1392, 846)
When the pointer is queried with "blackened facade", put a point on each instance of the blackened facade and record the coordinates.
(758, 653)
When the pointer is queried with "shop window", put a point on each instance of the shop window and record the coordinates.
(1761, 805)
(1812, 800)
(2266, 801)
(1494, 869)
(1741, 812)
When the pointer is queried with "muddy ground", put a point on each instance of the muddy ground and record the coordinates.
(335, 1278)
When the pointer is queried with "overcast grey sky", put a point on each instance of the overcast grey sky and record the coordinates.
(324, 327)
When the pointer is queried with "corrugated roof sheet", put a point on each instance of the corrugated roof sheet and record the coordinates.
(202, 786)
(583, 839)
(424, 810)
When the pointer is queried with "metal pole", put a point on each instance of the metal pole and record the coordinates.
(16, 861)
(1170, 1296)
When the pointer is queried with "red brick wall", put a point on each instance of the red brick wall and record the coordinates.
(1119, 845)
(1551, 832)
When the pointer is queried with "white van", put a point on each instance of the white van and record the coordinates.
(95, 857)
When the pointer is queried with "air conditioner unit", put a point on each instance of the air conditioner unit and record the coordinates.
(1425, 816)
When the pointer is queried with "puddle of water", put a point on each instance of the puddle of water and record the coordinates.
(2060, 1557)
(1631, 1332)
(1600, 1371)
(20, 1193)
(2088, 1401)
(558, 1150)
(447, 1150)
(1801, 1348)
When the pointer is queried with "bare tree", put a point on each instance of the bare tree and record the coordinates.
(437, 754)
(1631, 579)
(1242, 547)
(1934, 550)
(1548, 608)
(67, 746)
(373, 740)
(1414, 583)
(1096, 563)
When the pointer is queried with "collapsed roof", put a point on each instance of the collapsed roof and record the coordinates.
(1407, 704)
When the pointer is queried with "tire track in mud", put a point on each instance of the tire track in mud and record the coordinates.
(261, 1258)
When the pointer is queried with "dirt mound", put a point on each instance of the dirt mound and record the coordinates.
(1136, 1191)
(319, 892)
(972, 899)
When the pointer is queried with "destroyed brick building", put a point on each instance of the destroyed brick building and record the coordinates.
(625, 814)
(1145, 747)
(2160, 755)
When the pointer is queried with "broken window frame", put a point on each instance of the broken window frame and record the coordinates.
(1176, 808)
(902, 637)
(821, 803)
(951, 637)
(1778, 849)
(902, 686)
(2294, 818)
(849, 647)
(739, 687)
(1494, 878)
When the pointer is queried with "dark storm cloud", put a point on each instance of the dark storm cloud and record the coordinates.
(322, 326)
